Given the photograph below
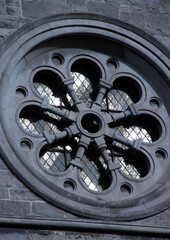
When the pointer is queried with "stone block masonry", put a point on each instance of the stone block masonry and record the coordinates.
(152, 16)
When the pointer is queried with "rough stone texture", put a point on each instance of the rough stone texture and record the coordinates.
(14, 208)
(12, 234)
(152, 16)
(43, 209)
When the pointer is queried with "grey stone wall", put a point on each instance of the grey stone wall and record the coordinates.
(15, 234)
(16, 201)
(152, 16)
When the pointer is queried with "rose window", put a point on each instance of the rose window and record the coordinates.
(85, 117)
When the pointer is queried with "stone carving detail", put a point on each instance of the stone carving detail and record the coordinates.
(84, 123)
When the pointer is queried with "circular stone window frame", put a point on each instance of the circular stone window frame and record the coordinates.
(23, 41)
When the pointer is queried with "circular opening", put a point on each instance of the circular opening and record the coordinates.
(69, 185)
(21, 92)
(55, 159)
(95, 174)
(116, 100)
(91, 123)
(49, 84)
(26, 144)
(129, 86)
(126, 189)
(82, 87)
(34, 121)
(155, 103)
(145, 126)
(134, 165)
(57, 59)
(112, 63)
(86, 77)
(81, 65)
(161, 154)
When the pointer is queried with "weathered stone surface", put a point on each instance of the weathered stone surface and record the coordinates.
(32, 9)
(76, 2)
(166, 39)
(2, 7)
(45, 210)
(151, 16)
(133, 18)
(40, 235)
(18, 234)
(22, 194)
(8, 180)
(2, 164)
(106, 10)
(14, 208)
(161, 219)
(13, 10)
(4, 194)
(13, 234)
(58, 235)
(14, 3)
(11, 24)
(157, 23)
(5, 32)
(77, 5)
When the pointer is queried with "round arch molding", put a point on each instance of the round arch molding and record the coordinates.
(84, 112)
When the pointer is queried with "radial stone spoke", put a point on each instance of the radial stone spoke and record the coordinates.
(69, 83)
(64, 114)
(57, 136)
(108, 160)
(100, 97)
(129, 112)
(104, 86)
(101, 147)
(132, 144)
(82, 147)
